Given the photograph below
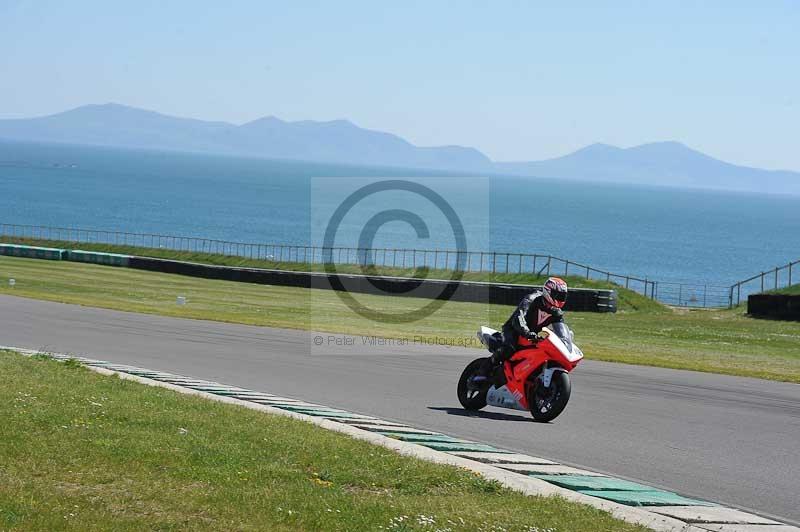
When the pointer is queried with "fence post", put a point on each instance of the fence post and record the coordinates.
(291, 253)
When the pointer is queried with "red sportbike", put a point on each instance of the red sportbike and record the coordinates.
(535, 378)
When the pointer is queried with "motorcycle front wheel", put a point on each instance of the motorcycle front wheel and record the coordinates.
(546, 404)
(472, 396)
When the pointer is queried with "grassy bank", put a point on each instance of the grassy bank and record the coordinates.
(85, 452)
(627, 299)
(792, 290)
(716, 341)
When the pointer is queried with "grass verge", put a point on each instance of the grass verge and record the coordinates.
(81, 451)
(626, 299)
(725, 341)
(792, 290)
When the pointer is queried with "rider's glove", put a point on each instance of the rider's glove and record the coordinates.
(557, 314)
(532, 337)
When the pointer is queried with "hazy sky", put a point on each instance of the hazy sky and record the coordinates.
(518, 80)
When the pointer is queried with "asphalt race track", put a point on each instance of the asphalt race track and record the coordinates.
(726, 439)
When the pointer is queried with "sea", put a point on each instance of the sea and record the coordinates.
(662, 233)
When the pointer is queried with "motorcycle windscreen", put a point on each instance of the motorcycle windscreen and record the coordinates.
(562, 331)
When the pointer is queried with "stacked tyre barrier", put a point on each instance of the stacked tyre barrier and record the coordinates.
(774, 306)
(580, 299)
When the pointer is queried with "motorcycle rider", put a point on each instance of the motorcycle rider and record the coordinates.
(536, 311)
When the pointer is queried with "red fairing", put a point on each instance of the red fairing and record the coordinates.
(528, 359)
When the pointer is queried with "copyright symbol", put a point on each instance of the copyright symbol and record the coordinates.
(367, 237)
(318, 340)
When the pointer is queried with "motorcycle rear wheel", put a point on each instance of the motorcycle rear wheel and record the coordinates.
(545, 404)
(472, 397)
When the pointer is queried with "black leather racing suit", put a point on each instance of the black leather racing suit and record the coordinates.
(530, 317)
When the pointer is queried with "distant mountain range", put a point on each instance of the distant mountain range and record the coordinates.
(341, 141)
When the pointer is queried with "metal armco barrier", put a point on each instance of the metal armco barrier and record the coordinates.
(580, 299)
(587, 300)
(444, 259)
(31, 252)
(94, 257)
(680, 293)
(775, 306)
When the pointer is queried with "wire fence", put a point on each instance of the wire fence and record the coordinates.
(698, 295)
(447, 259)
(774, 279)
(670, 293)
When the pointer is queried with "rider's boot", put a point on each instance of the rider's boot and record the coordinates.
(490, 363)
